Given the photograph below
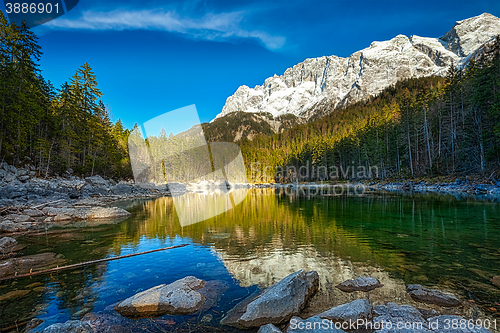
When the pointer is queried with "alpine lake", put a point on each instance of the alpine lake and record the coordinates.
(447, 242)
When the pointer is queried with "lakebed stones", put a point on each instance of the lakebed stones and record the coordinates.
(431, 296)
(24, 264)
(71, 326)
(362, 283)
(358, 309)
(277, 304)
(179, 297)
(10, 226)
(7, 244)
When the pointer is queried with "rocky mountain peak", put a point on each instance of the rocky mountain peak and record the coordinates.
(306, 88)
(467, 35)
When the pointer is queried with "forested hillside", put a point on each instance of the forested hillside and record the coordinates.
(52, 129)
(419, 127)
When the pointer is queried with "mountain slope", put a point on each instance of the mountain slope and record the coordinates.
(309, 88)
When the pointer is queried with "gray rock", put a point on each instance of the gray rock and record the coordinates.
(445, 324)
(277, 304)
(33, 323)
(103, 213)
(397, 314)
(65, 214)
(6, 268)
(8, 226)
(176, 188)
(9, 178)
(7, 244)
(71, 326)
(358, 309)
(312, 325)
(21, 265)
(62, 218)
(431, 296)
(54, 211)
(179, 297)
(146, 186)
(23, 218)
(269, 328)
(362, 283)
(24, 178)
(97, 181)
(121, 189)
(10, 168)
(33, 212)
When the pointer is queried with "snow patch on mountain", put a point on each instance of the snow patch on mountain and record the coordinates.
(308, 86)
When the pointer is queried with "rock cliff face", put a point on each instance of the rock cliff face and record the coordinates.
(305, 89)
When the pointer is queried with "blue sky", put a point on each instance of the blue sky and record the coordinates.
(151, 57)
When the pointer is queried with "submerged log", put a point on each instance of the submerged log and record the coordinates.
(81, 264)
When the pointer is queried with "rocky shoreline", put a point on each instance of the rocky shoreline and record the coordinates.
(458, 186)
(279, 308)
(28, 202)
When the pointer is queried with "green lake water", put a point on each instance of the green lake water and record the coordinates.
(436, 240)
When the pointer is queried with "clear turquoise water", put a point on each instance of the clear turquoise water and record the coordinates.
(435, 240)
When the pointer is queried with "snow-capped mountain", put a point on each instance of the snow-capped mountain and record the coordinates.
(306, 87)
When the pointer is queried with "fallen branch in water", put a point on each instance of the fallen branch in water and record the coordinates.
(89, 263)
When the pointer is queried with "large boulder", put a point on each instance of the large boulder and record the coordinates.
(397, 315)
(277, 304)
(312, 325)
(362, 283)
(121, 189)
(431, 296)
(72, 326)
(358, 309)
(178, 298)
(97, 181)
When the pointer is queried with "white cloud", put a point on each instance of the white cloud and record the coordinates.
(217, 27)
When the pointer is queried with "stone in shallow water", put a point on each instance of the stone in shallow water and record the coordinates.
(277, 304)
(431, 296)
(33, 323)
(14, 294)
(358, 309)
(71, 326)
(179, 297)
(312, 325)
(7, 244)
(362, 283)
